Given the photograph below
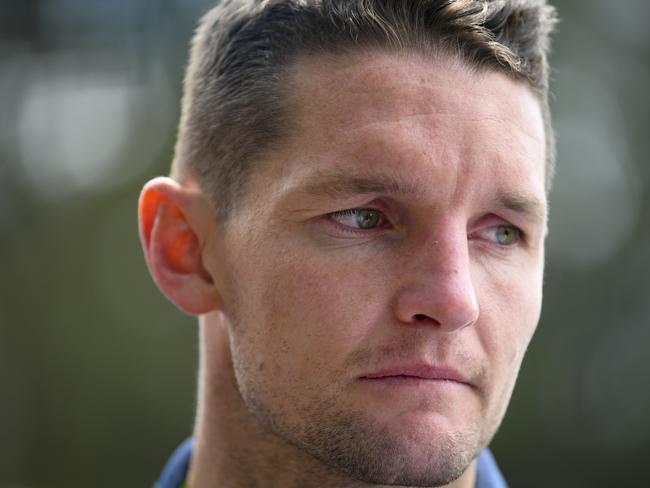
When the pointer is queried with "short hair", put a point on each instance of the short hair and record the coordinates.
(236, 106)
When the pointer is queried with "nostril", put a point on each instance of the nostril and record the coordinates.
(424, 319)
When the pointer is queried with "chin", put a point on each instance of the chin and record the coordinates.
(405, 455)
(421, 445)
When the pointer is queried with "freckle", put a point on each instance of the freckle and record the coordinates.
(261, 366)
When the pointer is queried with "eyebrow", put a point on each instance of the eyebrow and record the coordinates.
(334, 184)
(340, 185)
(528, 206)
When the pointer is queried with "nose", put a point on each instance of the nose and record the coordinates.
(437, 286)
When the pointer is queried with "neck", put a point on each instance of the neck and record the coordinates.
(232, 448)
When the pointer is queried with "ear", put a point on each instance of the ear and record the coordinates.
(174, 220)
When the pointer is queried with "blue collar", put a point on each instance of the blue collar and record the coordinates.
(175, 472)
(487, 472)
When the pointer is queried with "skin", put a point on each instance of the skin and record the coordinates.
(305, 318)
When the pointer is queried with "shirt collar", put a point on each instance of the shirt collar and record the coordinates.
(175, 472)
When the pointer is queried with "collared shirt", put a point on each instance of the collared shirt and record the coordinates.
(175, 472)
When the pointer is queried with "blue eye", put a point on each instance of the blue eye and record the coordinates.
(358, 218)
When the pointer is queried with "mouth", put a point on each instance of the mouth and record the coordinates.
(417, 374)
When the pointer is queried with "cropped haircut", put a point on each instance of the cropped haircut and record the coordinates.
(236, 102)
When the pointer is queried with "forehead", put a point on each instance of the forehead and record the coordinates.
(435, 119)
(388, 83)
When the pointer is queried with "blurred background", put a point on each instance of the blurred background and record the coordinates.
(97, 370)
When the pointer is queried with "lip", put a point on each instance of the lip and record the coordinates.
(421, 371)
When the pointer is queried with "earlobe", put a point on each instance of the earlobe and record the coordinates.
(170, 225)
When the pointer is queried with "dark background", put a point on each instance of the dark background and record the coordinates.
(97, 370)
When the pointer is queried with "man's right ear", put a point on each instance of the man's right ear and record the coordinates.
(173, 222)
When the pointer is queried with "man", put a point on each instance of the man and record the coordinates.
(356, 214)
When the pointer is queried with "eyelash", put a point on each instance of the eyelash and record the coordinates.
(352, 211)
(519, 238)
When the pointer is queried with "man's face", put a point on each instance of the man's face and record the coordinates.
(386, 266)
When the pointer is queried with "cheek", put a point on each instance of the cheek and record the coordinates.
(510, 309)
(509, 313)
(306, 314)
(329, 305)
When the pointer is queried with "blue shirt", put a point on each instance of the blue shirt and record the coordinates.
(175, 472)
